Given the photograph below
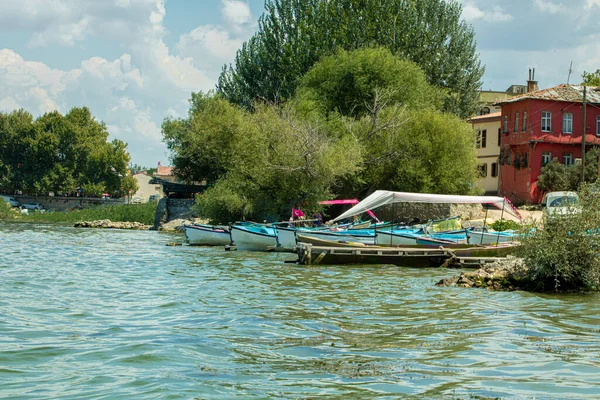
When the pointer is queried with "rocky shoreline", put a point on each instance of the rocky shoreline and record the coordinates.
(508, 274)
(108, 224)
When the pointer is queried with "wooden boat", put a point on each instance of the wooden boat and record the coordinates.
(207, 235)
(491, 237)
(309, 254)
(501, 250)
(286, 237)
(361, 236)
(301, 238)
(396, 238)
(254, 238)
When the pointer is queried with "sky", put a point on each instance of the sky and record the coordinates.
(136, 62)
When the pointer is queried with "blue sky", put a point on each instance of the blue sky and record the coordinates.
(134, 62)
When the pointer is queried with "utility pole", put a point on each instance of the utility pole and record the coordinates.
(583, 136)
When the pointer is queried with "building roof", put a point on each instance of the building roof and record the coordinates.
(564, 92)
(487, 117)
(164, 171)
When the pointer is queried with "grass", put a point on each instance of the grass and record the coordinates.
(143, 213)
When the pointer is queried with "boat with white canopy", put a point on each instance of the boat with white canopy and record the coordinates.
(384, 197)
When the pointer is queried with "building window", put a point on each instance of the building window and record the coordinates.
(494, 170)
(482, 170)
(598, 125)
(524, 121)
(568, 158)
(506, 124)
(546, 121)
(499, 136)
(567, 123)
(546, 157)
(481, 139)
(516, 122)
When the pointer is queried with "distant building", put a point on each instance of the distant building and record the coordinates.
(487, 128)
(173, 186)
(166, 174)
(488, 134)
(488, 99)
(146, 189)
(539, 126)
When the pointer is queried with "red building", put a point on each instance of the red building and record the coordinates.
(539, 126)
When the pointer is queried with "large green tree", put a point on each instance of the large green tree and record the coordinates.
(360, 120)
(259, 163)
(57, 153)
(387, 106)
(294, 34)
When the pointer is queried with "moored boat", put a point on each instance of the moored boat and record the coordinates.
(207, 235)
(254, 238)
(360, 236)
(491, 237)
(396, 237)
(286, 237)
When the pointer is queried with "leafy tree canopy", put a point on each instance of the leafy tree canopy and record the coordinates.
(57, 153)
(294, 34)
(372, 124)
(354, 83)
(556, 177)
(591, 78)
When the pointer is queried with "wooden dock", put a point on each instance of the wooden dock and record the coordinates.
(426, 257)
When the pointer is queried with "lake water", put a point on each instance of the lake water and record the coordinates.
(118, 314)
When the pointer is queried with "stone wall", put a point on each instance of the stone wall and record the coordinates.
(172, 209)
(63, 203)
(408, 212)
(179, 208)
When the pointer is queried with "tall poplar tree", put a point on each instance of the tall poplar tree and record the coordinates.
(294, 34)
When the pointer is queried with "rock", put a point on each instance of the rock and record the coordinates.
(464, 279)
(498, 275)
(448, 281)
(107, 224)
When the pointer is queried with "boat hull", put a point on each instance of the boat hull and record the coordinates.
(286, 238)
(340, 236)
(490, 238)
(384, 238)
(246, 239)
(206, 235)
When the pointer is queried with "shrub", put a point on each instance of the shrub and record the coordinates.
(505, 224)
(6, 211)
(562, 256)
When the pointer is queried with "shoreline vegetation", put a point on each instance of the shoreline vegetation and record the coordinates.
(142, 214)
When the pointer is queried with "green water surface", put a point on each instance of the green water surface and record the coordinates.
(88, 314)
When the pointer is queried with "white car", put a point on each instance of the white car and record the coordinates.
(10, 200)
(32, 206)
(560, 203)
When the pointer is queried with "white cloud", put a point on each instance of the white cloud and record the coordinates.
(131, 93)
(137, 122)
(237, 15)
(548, 6)
(206, 41)
(472, 13)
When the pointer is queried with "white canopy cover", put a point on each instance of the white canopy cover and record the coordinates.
(382, 197)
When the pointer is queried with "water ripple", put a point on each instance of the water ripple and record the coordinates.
(118, 314)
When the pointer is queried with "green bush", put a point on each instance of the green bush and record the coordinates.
(505, 224)
(6, 211)
(562, 256)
